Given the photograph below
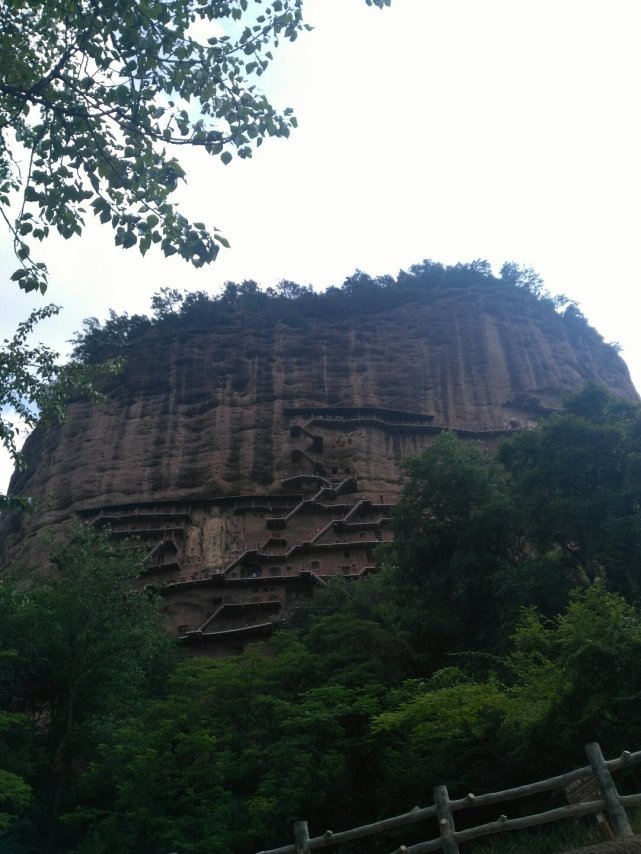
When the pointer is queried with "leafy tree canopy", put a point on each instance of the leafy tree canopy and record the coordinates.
(97, 96)
(573, 679)
(100, 94)
(35, 387)
(478, 535)
(76, 653)
(476, 657)
(577, 483)
(455, 528)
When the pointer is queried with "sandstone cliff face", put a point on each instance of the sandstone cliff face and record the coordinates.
(198, 414)
(303, 414)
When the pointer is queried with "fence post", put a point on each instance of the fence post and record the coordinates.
(614, 808)
(301, 837)
(445, 820)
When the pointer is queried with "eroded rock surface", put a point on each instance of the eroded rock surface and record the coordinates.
(267, 450)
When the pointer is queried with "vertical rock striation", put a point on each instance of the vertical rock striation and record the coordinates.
(257, 455)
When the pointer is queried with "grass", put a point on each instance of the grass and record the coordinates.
(548, 839)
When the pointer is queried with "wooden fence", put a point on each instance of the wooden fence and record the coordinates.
(594, 778)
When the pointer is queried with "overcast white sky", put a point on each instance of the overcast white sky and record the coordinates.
(442, 129)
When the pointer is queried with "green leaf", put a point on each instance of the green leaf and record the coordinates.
(144, 244)
(124, 89)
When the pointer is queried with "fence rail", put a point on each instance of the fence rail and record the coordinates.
(610, 803)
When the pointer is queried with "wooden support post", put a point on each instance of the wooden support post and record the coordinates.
(445, 820)
(614, 808)
(301, 837)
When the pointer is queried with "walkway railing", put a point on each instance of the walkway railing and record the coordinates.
(594, 779)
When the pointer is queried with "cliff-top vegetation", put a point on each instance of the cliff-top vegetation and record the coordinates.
(292, 303)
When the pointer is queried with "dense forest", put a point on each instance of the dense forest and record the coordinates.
(501, 633)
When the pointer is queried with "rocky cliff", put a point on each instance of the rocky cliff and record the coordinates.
(250, 443)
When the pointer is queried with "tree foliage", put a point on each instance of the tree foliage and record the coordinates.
(477, 657)
(96, 98)
(233, 753)
(455, 529)
(15, 796)
(577, 482)
(35, 387)
(573, 679)
(99, 95)
(77, 652)
(476, 538)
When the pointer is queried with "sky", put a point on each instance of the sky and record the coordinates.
(441, 129)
